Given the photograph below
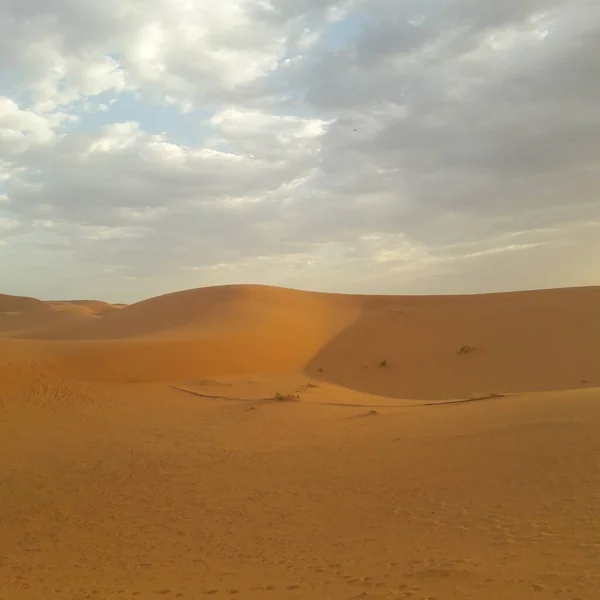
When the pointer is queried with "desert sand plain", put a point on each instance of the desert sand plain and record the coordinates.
(249, 442)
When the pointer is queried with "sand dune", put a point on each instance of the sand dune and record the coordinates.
(11, 304)
(528, 341)
(190, 334)
(28, 317)
(94, 306)
(20, 316)
(404, 347)
(248, 442)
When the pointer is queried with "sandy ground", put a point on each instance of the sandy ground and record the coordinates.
(248, 442)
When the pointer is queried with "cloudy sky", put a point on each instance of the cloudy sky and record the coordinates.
(381, 146)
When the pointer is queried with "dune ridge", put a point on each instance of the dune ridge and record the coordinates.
(396, 346)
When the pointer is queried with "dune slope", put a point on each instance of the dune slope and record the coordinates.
(190, 334)
(398, 346)
(444, 347)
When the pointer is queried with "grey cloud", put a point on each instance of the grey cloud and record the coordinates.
(517, 137)
(447, 145)
(87, 188)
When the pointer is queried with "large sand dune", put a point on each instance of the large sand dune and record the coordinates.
(528, 341)
(256, 442)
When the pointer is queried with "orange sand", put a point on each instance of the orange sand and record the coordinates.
(255, 442)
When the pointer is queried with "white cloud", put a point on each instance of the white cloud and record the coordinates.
(188, 51)
(19, 129)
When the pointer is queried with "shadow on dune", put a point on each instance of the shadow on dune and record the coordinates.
(434, 348)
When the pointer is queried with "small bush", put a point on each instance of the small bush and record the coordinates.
(466, 350)
(279, 397)
(383, 363)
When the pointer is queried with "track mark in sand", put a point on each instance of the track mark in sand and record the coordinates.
(278, 398)
(438, 403)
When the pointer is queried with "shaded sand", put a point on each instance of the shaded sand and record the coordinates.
(246, 442)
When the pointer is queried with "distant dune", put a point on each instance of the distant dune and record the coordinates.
(93, 306)
(425, 347)
(17, 304)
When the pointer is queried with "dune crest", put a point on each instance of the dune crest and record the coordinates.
(422, 347)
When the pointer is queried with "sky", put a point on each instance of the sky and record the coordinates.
(362, 146)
